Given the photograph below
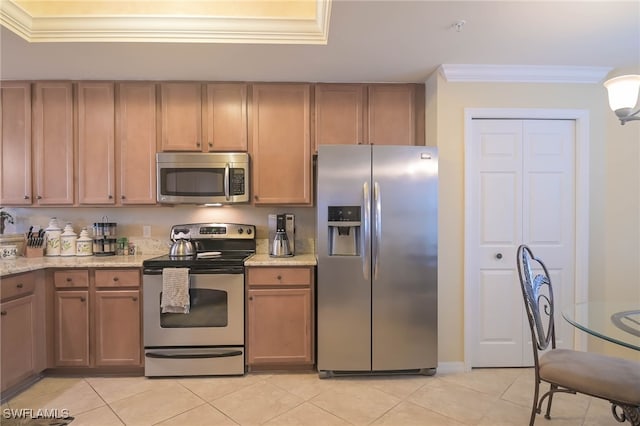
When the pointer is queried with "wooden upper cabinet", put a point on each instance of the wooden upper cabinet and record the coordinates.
(136, 143)
(96, 143)
(280, 144)
(391, 114)
(181, 117)
(53, 143)
(339, 112)
(379, 114)
(225, 117)
(15, 147)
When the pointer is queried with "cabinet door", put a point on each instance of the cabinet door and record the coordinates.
(18, 340)
(53, 143)
(117, 327)
(15, 147)
(96, 143)
(71, 328)
(391, 114)
(339, 114)
(280, 145)
(279, 326)
(181, 105)
(136, 143)
(226, 117)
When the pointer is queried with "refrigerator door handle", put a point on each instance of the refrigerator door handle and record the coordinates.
(377, 228)
(366, 243)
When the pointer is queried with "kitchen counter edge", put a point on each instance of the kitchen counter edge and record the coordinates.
(23, 264)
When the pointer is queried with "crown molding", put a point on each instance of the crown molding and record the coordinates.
(189, 29)
(523, 73)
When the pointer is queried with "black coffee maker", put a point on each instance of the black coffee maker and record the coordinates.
(281, 235)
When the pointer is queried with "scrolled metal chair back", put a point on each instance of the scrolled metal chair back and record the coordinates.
(538, 295)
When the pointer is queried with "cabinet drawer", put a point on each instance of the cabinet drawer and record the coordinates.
(117, 278)
(71, 278)
(278, 276)
(18, 285)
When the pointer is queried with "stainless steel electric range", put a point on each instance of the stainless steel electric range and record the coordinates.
(209, 339)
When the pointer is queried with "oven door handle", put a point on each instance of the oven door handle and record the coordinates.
(200, 271)
(220, 354)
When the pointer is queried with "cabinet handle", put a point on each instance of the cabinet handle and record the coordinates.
(82, 299)
(3, 313)
(26, 197)
(20, 285)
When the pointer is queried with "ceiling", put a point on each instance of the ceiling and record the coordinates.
(368, 41)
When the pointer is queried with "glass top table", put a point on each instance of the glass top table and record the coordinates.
(617, 322)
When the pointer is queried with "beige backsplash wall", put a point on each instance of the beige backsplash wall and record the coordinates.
(130, 220)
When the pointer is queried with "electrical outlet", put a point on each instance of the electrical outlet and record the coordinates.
(146, 231)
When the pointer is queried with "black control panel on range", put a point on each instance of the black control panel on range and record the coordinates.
(203, 231)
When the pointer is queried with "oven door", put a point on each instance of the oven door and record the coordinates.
(215, 318)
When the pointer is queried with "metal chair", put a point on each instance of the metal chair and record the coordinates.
(613, 379)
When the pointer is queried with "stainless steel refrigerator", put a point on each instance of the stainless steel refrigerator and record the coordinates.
(377, 250)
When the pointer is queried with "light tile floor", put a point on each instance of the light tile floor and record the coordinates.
(479, 397)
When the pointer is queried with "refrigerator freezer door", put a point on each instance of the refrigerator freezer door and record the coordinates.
(404, 287)
(344, 286)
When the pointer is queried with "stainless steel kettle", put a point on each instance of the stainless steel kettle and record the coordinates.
(182, 247)
(281, 246)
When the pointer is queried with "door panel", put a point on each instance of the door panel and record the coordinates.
(344, 290)
(404, 273)
(524, 194)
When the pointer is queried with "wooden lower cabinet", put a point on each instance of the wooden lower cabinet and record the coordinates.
(117, 327)
(22, 328)
(97, 318)
(280, 317)
(72, 328)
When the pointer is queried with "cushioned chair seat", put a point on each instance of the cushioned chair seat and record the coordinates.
(597, 375)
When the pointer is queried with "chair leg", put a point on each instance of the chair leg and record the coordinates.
(552, 389)
(535, 409)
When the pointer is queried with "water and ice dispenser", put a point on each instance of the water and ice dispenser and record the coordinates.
(344, 230)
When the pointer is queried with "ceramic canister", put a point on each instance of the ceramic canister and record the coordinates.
(68, 241)
(53, 233)
(84, 244)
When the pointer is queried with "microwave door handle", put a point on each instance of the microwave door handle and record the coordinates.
(226, 182)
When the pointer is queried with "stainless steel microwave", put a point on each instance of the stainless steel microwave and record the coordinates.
(202, 178)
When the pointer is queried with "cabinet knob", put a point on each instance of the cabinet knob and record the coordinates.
(69, 280)
(499, 256)
(3, 313)
(279, 277)
(110, 197)
(250, 297)
(255, 197)
(82, 299)
(115, 279)
(39, 197)
(20, 285)
(135, 299)
(122, 197)
(210, 145)
(197, 143)
(26, 197)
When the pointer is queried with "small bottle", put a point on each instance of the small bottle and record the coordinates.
(52, 237)
(68, 240)
(84, 244)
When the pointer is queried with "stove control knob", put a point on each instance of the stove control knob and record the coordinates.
(240, 230)
(249, 231)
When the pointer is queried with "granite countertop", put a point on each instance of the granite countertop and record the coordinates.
(263, 259)
(23, 264)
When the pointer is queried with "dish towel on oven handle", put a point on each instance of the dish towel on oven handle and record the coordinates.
(175, 291)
